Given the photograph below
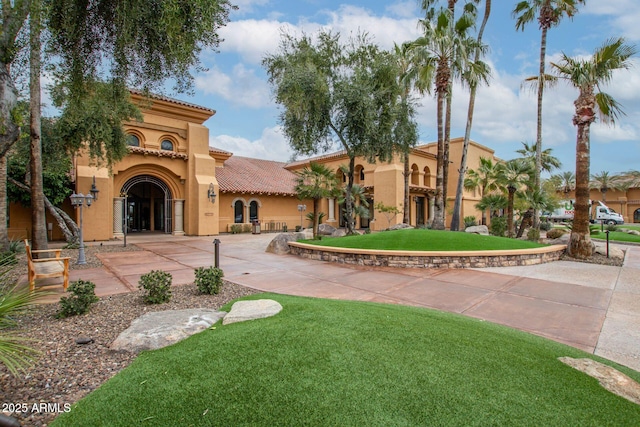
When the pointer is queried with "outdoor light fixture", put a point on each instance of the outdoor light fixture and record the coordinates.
(301, 208)
(80, 200)
(211, 193)
(94, 190)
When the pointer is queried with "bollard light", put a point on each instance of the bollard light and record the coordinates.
(216, 251)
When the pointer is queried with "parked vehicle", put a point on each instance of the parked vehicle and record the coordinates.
(598, 212)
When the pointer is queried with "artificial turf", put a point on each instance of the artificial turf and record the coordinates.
(425, 240)
(326, 363)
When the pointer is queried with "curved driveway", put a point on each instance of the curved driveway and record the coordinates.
(592, 307)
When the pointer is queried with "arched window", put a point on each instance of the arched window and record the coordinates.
(361, 174)
(253, 211)
(238, 212)
(166, 145)
(427, 177)
(133, 141)
(415, 175)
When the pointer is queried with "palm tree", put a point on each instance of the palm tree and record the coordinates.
(587, 75)
(316, 182)
(444, 49)
(604, 182)
(360, 203)
(548, 161)
(565, 182)
(513, 176)
(548, 13)
(476, 73)
(483, 179)
(492, 202)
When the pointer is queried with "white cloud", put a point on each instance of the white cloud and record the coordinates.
(243, 88)
(251, 39)
(624, 15)
(403, 9)
(271, 145)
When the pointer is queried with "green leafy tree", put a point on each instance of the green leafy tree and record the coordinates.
(317, 182)
(548, 13)
(588, 75)
(483, 179)
(476, 73)
(333, 93)
(389, 212)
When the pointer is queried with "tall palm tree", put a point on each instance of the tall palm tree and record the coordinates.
(513, 176)
(492, 202)
(565, 182)
(549, 13)
(587, 75)
(482, 179)
(477, 72)
(548, 162)
(444, 49)
(316, 182)
(604, 182)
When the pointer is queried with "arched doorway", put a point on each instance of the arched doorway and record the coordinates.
(148, 204)
(636, 215)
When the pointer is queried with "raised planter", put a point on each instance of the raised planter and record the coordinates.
(429, 259)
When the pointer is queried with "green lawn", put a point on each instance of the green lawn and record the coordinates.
(329, 363)
(618, 236)
(425, 240)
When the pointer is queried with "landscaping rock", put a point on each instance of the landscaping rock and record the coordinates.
(399, 227)
(162, 328)
(609, 378)
(249, 310)
(478, 229)
(562, 240)
(613, 252)
(326, 230)
(280, 244)
(340, 232)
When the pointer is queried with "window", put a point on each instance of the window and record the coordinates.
(362, 175)
(166, 145)
(133, 141)
(238, 210)
(253, 211)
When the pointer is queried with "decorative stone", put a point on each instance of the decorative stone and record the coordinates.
(326, 230)
(340, 232)
(84, 340)
(162, 328)
(280, 244)
(478, 229)
(248, 310)
(399, 227)
(613, 251)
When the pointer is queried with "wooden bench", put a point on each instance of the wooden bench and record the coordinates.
(43, 268)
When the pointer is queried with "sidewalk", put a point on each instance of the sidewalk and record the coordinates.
(592, 307)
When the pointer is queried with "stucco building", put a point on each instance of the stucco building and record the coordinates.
(172, 181)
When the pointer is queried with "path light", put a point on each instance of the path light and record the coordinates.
(80, 200)
(301, 208)
(216, 251)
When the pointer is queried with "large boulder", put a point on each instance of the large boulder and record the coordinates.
(280, 244)
(562, 240)
(614, 252)
(326, 230)
(483, 230)
(162, 328)
(340, 232)
(242, 311)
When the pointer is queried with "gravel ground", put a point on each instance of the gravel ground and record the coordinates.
(65, 371)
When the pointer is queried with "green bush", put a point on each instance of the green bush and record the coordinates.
(612, 227)
(470, 221)
(554, 233)
(246, 228)
(157, 283)
(498, 226)
(533, 235)
(209, 280)
(236, 228)
(546, 225)
(82, 296)
(16, 246)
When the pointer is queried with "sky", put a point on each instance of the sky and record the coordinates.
(246, 122)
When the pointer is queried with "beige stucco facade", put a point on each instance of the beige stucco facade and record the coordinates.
(168, 184)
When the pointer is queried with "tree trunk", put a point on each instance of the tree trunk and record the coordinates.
(457, 206)
(580, 241)
(348, 201)
(315, 217)
(4, 233)
(406, 218)
(441, 87)
(38, 218)
(510, 230)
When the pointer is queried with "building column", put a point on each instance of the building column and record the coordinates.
(247, 218)
(332, 210)
(178, 209)
(432, 208)
(118, 209)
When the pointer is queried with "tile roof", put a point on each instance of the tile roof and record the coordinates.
(172, 100)
(255, 176)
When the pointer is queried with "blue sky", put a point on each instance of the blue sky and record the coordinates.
(246, 122)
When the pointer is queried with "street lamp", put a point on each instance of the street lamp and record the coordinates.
(301, 208)
(124, 195)
(79, 200)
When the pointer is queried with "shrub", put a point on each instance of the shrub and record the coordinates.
(16, 246)
(612, 227)
(546, 225)
(8, 258)
(236, 228)
(82, 296)
(246, 228)
(533, 235)
(470, 221)
(209, 280)
(555, 233)
(498, 226)
(157, 283)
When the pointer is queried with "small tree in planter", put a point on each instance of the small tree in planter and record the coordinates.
(390, 212)
(157, 283)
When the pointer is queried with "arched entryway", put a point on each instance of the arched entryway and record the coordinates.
(636, 215)
(149, 204)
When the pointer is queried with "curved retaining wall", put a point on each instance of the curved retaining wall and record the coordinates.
(429, 259)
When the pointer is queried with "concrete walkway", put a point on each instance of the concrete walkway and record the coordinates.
(591, 307)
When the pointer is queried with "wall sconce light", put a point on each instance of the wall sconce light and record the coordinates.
(415, 198)
(211, 193)
(94, 190)
(182, 181)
